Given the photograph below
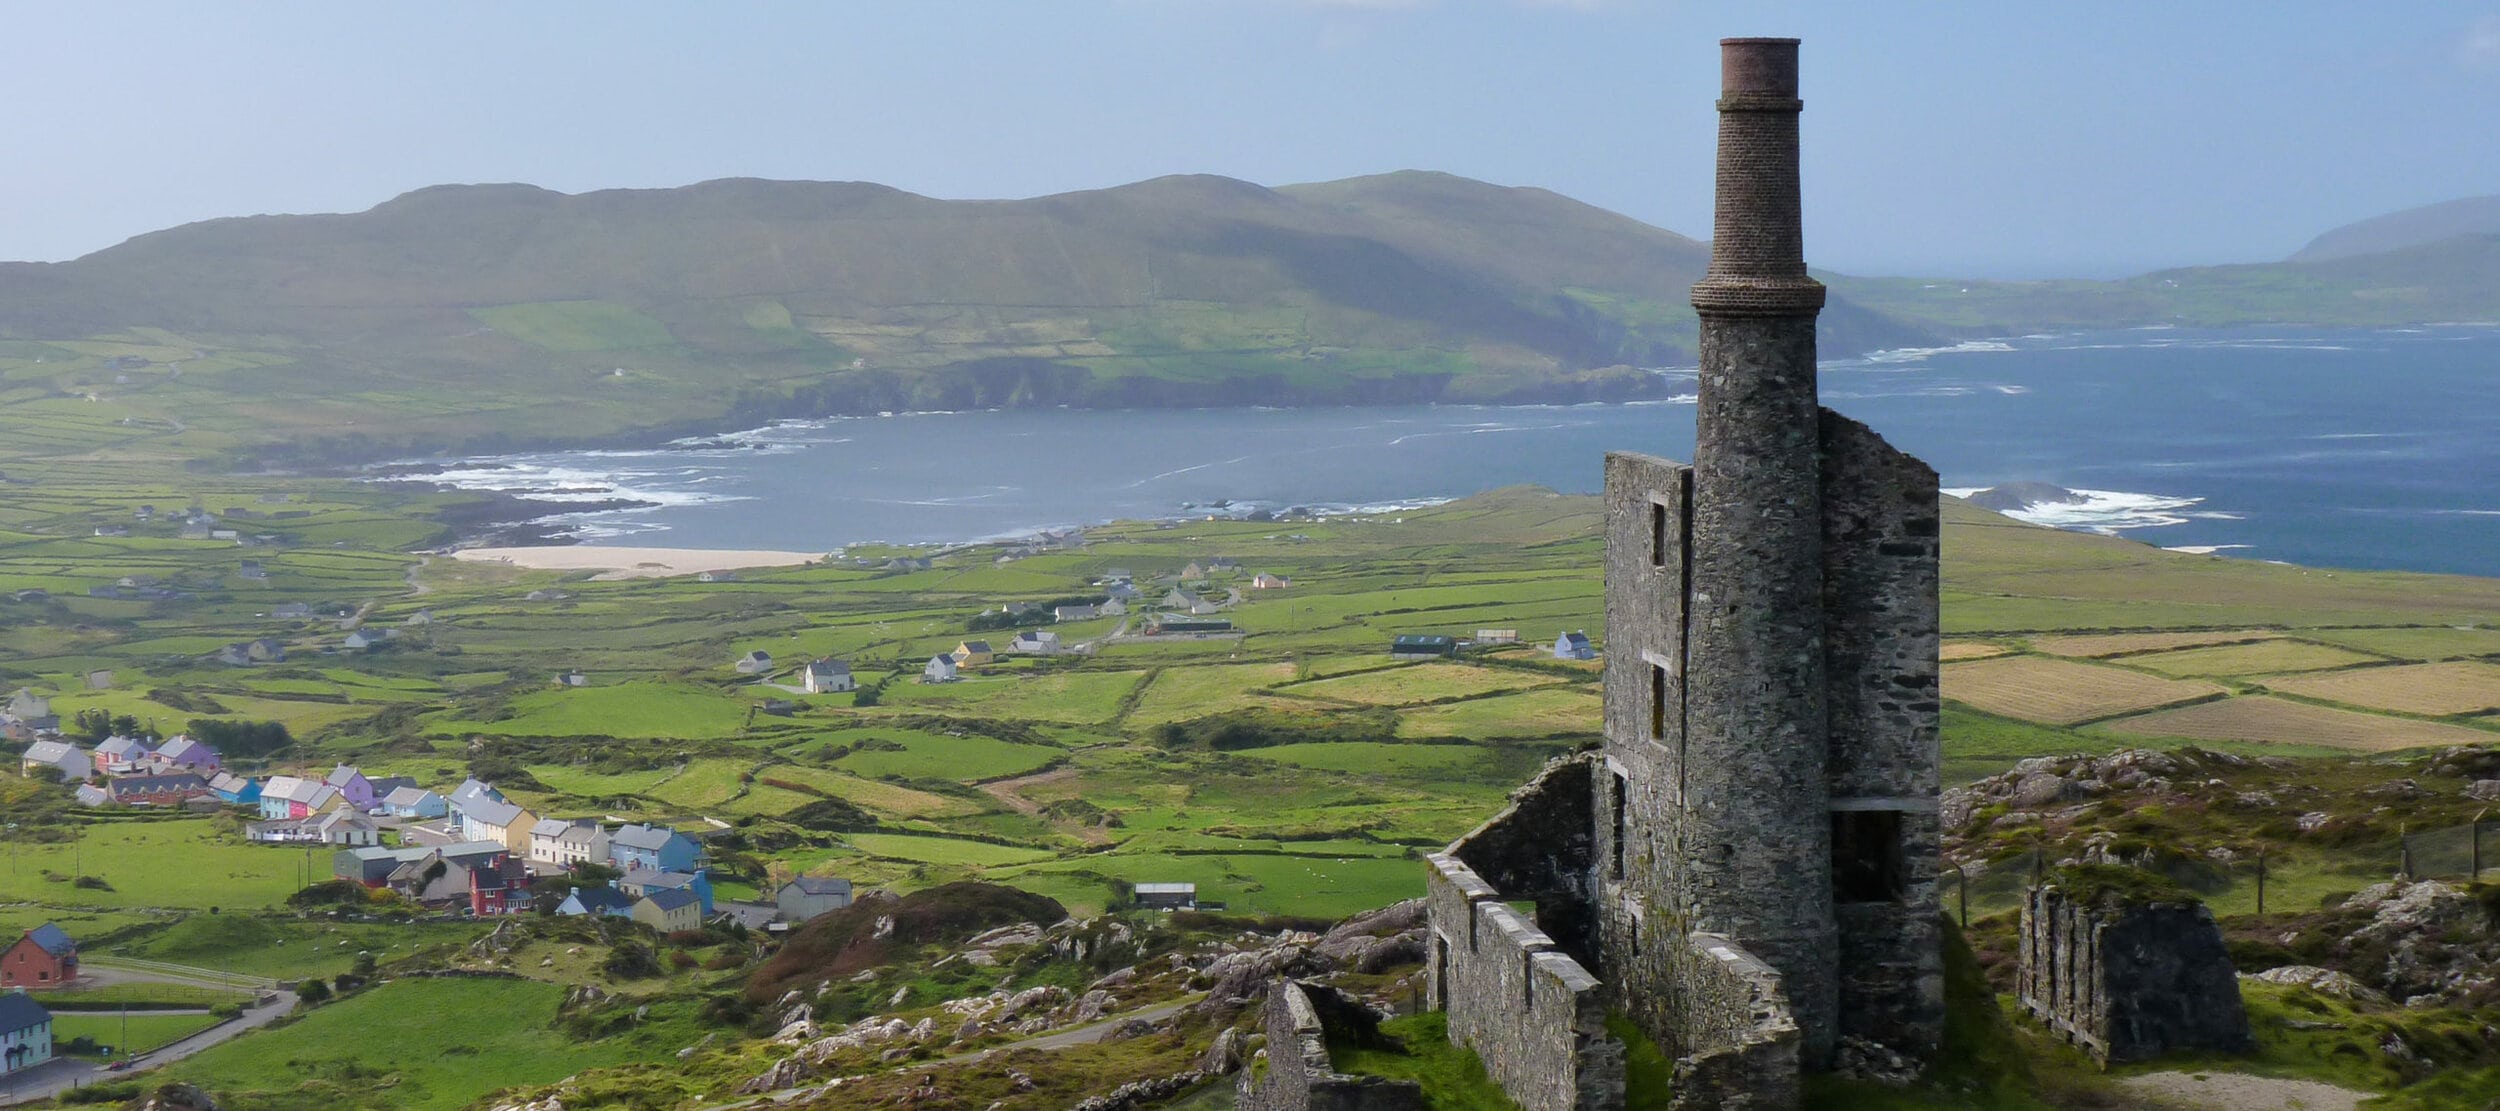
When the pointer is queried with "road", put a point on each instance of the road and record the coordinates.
(63, 1073)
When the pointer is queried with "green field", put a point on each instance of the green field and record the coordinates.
(415, 1045)
(137, 1032)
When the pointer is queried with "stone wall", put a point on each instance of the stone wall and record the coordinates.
(1737, 1020)
(1535, 1015)
(1881, 630)
(2126, 981)
(1297, 1074)
(1537, 850)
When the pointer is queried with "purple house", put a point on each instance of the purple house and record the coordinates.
(352, 786)
(182, 754)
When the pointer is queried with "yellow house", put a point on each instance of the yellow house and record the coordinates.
(972, 653)
(669, 910)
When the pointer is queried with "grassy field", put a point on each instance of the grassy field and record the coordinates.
(2266, 657)
(415, 1045)
(2279, 721)
(137, 1032)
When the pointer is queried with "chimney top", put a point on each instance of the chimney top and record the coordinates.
(1758, 67)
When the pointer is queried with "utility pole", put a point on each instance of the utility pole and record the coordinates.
(2474, 877)
(2261, 881)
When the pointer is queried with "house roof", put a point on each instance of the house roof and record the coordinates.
(456, 851)
(53, 939)
(759, 654)
(331, 822)
(49, 752)
(753, 916)
(600, 898)
(551, 827)
(484, 803)
(1165, 888)
(123, 746)
(19, 1011)
(150, 784)
(290, 788)
(942, 658)
(1575, 638)
(405, 796)
(976, 646)
(652, 879)
(473, 789)
(582, 833)
(668, 898)
(638, 836)
(829, 667)
(230, 783)
(182, 747)
(819, 885)
(1423, 640)
(343, 775)
(389, 783)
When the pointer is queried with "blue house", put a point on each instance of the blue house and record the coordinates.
(414, 802)
(643, 881)
(596, 900)
(653, 848)
(235, 790)
(1574, 646)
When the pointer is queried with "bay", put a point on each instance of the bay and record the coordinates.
(2327, 447)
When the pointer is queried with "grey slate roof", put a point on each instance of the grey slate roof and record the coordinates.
(596, 899)
(820, 885)
(638, 836)
(670, 898)
(405, 796)
(19, 1011)
(653, 880)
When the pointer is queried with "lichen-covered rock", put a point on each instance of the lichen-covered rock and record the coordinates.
(789, 1072)
(179, 1097)
(2324, 981)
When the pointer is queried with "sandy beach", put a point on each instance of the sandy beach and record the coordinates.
(634, 563)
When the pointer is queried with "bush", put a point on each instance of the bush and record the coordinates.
(91, 883)
(330, 893)
(681, 960)
(312, 991)
(631, 960)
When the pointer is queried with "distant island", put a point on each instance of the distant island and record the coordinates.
(475, 318)
(2015, 497)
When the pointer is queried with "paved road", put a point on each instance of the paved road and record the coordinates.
(62, 1074)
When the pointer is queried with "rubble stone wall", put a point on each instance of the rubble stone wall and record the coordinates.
(2129, 982)
(1299, 1076)
(1744, 1039)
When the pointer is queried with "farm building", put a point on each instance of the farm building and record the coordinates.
(1413, 646)
(808, 896)
(1162, 623)
(1497, 636)
(754, 663)
(941, 669)
(1574, 646)
(1167, 896)
(25, 1033)
(828, 677)
(43, 957)
(1035, 642)
(572, 679)
(1265, 581)
(1075, 613)
(291, 610)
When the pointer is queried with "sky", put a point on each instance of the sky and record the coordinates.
(1972, 139)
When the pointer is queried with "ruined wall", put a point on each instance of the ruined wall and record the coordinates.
(1737, 1018)
(1881, 630)
(1298, 1075)
(1537, 849)
(1536, 1017)
(2128, 981)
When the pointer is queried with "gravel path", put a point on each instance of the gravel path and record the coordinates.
(2230, 1091)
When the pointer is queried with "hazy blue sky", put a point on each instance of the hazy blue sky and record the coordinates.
(1999, 139)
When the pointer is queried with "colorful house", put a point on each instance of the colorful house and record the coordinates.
(974, 653)
(485, 815)
(481, 877)
(668, 911)
(44, 958)
(643, 881)
(653, 848)
(351, 785)
(182, 754)
(414, 802)
(119, 755)
(235, 790)
(290, 796)
(25, 1033)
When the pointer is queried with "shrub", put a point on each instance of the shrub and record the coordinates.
(681, 960)
(312, 991)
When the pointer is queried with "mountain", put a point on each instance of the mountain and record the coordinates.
(2413, 227)
(471, 316)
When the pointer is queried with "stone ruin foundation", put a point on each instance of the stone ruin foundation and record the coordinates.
(1294, 1073)
(2126, 979)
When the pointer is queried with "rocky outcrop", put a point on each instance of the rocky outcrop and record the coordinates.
(2425, 944)
(2324, 981)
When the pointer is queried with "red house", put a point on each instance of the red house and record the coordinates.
(44, 958)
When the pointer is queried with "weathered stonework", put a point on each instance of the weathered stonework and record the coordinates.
(2128, 980)
(1748, 866)
(1296, 1075)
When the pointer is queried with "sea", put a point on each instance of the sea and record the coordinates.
(2360, 448)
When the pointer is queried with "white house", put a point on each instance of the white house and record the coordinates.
(941, 669)
(828, 677)
(566, 842)
(1035, 642)
(1574, 646)
(25, 1033)
(61, 758)
(755, 663)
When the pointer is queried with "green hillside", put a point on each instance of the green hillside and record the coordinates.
(474, 316)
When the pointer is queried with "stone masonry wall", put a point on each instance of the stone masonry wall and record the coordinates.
(1298, 1075)
(1537, 849)
(1737, 1019)
(1536, 1017)
(1881, 577)
(2132, 981)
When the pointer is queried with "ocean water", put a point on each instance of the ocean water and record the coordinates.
(2329, 447)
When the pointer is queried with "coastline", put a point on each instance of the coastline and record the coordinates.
(634, 563)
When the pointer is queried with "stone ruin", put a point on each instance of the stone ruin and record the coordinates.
(2125, 975)
(1746, 870)
(1294, 1072)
